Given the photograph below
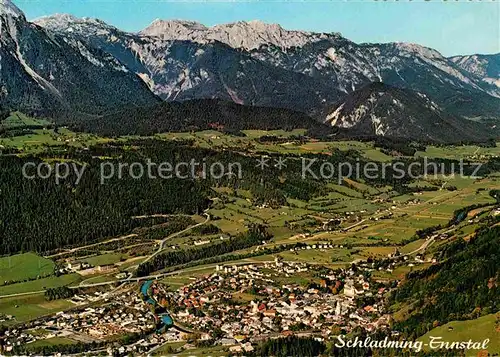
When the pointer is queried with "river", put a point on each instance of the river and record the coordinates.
(165, 319)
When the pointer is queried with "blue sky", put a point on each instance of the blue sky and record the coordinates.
(451, 27)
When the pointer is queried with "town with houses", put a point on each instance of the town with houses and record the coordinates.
(236, 306)
(279, 309)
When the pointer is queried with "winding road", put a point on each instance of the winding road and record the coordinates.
(162, 243)
(90, 245)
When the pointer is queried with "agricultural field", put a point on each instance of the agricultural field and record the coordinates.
(54, 341)
(99, 279)
(105, 259)
(168, 348)
(404, 215)
(399, 272)
(39, 140)
(461, 152)
(254, 134)
(187, 276)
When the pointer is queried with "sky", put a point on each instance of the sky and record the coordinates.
(451, 27)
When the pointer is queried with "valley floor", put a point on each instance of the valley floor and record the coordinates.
(384, 232)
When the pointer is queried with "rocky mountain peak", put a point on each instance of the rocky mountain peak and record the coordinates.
(487, 67)
(66, 23)
(159, 25)
(254, 25)
(415, 49)
(248, 35)
(8, 8)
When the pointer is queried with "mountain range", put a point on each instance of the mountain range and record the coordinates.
(44, 73)
(83, 68)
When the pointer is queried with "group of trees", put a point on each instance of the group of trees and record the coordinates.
(41, 215)
(175, 224)
(310, 347)
(4, 113)
(495, 194)
(62, 292)
(401, 147)
(51, 350)
(206, 229)
(291, 346)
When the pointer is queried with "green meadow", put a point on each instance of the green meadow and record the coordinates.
(26, 308)
(485, 327)
(24, 266)
(19, 120)
(40, 284)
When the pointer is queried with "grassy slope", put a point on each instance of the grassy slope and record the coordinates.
(31, 307)
(476, 330)
(18, 120)
(24, 266)
(40, 284)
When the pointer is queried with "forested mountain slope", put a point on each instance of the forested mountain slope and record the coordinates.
(199, 115)
(464, 285)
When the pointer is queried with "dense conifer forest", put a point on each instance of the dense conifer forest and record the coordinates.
(198, 115)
